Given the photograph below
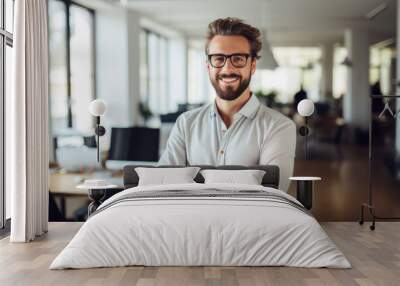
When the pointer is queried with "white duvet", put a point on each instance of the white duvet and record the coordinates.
(200, 231)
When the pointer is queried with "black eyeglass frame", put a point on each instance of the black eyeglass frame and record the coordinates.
(226, 57)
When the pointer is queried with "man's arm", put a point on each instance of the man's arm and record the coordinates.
(280, 150)
(175, 151)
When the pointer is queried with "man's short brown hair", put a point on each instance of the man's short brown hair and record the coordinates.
(235, 27)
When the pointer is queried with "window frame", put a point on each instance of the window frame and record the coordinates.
(146, 93)
(6, 39)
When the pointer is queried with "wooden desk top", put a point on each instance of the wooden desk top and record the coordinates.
(66, 183)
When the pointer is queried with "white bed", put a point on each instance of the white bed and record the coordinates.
(185, 230)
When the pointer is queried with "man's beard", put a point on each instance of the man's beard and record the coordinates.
(230, 93)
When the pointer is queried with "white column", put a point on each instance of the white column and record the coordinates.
(356, 105)
(327, 71)
(133, 35)
(117, 67)
(112, 65)
(398, 78)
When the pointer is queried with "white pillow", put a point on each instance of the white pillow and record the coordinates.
(164, 176)
(248, 177)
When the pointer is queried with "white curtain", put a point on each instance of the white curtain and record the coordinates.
(27, 123)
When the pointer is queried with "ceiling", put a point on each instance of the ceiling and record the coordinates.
(289, 22)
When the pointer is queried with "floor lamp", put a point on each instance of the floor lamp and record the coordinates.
(305, 108)
(305, 184)
(97, 108)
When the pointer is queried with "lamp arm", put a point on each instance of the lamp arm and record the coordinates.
(98, 138)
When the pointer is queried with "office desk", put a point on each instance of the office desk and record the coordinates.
(119, 164)
(64, 185)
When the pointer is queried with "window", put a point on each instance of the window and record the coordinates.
(163, 63)
(382, 68)
(200, 89)
(297, 65)
(339, 88)
(71, 73)
(6, 43)
(154, 72)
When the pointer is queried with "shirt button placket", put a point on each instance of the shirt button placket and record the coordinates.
(221, 152)
(221, 157)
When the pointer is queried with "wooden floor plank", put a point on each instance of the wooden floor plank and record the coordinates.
(375, 257)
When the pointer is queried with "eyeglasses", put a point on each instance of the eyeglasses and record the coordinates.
(219, 60)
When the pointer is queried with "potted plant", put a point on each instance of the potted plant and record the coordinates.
(267, 99)
(145, 111)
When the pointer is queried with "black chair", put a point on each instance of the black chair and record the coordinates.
(134, 144)
(170, 117)
(90, 141)
(54, 212)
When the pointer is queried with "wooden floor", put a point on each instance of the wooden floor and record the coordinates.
(374, 255)
(344, 185)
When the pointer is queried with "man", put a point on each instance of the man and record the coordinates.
(299, 96)
(235, 129)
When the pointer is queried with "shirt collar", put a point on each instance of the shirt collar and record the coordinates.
(248, 110)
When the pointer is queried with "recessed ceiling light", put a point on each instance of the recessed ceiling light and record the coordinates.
(374, 12)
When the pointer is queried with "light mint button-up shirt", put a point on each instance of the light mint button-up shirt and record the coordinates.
(258, 135)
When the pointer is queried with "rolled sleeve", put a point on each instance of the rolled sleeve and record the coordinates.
(279, 149)
(175, 151)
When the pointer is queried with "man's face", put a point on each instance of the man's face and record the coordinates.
(230, 81)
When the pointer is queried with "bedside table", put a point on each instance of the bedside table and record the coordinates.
(97, 194)
(305, 187)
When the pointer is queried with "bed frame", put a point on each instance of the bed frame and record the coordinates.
(270, 179)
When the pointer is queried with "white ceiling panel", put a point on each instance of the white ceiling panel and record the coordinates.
(287, 20)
